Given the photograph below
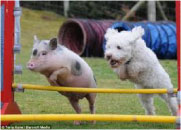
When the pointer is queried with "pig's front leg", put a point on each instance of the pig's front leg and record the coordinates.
(60, 72)
(75, 105)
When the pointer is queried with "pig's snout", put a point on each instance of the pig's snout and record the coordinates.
(30, 65)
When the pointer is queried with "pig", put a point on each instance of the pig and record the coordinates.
(62, 67)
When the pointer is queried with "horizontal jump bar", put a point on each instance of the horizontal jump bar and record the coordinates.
(93, 90)
(89, 117)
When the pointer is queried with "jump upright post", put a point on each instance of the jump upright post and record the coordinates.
(177, 10)
(8, 12)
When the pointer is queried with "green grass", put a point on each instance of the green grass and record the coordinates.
(46, 25)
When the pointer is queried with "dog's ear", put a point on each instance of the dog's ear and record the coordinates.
(110, 32)
(137, 32)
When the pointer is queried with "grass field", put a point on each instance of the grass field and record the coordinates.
(46, 25)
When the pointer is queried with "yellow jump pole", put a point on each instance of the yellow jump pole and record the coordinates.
(89, 117)
(93, 90)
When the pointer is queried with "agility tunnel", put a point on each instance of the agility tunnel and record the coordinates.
(160, 37)
(86, 37)
(83, 36)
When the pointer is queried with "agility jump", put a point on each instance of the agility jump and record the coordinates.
(21, 87)
(89, 117)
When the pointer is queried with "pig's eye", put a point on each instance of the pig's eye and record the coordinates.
(44, 53)
(119, 48)
(35, 52)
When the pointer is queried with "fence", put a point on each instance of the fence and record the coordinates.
(104, 9)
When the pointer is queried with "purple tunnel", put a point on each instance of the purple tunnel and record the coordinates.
(84, 37)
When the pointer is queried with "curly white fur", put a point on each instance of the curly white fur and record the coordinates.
(129, 57)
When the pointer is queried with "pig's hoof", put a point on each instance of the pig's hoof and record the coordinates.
(93, 122)
(77, 122)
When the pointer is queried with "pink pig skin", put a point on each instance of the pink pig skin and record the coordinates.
(63, 67)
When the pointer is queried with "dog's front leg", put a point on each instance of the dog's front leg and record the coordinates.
(122, 72)
(134, 70)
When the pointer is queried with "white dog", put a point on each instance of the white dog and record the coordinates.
(129, 57)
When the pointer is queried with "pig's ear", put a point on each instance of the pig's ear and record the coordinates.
(53, 43)
(35, 39)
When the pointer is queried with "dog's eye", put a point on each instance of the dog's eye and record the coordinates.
(119, 48)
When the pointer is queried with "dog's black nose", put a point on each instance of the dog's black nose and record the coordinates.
(108, 57)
